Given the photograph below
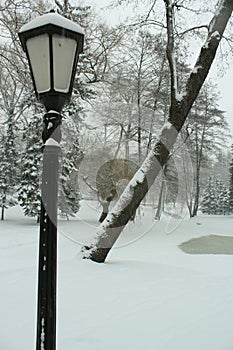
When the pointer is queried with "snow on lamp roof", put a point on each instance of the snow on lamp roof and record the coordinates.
(52, 18)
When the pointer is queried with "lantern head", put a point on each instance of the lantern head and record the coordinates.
(52, 44)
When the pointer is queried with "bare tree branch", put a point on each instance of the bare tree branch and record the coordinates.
(193, 29)
(170, 49)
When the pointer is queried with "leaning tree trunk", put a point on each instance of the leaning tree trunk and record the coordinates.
(137, 188)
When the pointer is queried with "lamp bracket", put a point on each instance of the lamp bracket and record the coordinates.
(52, 126)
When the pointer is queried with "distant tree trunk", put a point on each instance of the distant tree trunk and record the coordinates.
(155, 105)
(137, 188)
(139, 136)
(160, 207)
(3, 212)
(197, 193)
(194, 202)
(3, 207)
(139, 131)
(119, 141)
(127, 138)
(105, 133)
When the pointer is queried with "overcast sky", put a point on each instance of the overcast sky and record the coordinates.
(224, 83)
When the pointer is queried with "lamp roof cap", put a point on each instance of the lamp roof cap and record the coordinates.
(52, 18)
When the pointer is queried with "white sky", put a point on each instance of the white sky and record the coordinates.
(226, 87)
(224, 83)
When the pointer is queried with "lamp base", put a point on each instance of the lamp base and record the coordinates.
(54, 101)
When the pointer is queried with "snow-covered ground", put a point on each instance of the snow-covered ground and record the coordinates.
(148, 295)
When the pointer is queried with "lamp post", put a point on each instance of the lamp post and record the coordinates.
(52, 44)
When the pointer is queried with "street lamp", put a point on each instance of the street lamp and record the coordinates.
(52, 44)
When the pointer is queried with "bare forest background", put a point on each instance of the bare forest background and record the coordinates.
(130, 81)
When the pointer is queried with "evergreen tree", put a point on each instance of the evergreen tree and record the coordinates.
(8, 173)
(69, 194)
(208, 200)
(29, 190)
(223, 200)
(215, 198)
(231, 184)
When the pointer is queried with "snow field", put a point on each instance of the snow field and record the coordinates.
(149, 294)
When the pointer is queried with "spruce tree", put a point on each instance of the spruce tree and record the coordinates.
(8, 172)
(69, 194)
(29, 188)
(215, 198)
(208, 205)
(222, 199)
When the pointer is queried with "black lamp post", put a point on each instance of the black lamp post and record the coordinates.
(52, 44)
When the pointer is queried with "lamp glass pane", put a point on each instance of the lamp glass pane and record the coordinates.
(38, 51)
(63, 59)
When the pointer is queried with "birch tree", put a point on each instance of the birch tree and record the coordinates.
(180, 105)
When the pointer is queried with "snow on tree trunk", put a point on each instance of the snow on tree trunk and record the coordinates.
(137, 188)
